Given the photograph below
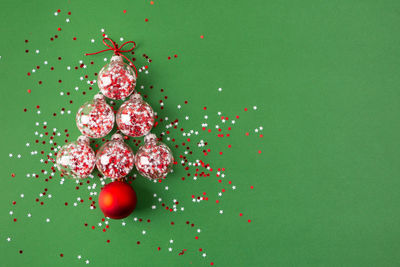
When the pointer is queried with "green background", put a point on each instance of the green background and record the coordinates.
(324, 76)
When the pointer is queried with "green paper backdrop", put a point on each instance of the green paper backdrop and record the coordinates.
(283, 117)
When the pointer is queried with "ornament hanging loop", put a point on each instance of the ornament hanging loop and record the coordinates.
(117, 50)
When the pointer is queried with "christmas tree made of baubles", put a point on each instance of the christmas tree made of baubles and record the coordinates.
(115, 159)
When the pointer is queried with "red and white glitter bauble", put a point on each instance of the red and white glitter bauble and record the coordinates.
(135, 117)
(154, 159)
(117, 79)
(115, 159)
(76, 159)
(95, 118)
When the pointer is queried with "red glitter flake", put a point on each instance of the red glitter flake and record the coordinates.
(58, 29)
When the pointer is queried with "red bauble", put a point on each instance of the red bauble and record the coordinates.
(117, 200)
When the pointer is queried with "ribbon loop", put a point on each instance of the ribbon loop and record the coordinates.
(117, 50)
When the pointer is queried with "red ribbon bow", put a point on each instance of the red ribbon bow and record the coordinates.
(117, 50)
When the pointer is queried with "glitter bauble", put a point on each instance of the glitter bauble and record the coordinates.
(76, 159)
(154, 159)
(116, 79)
(117, 200)
(135, 117)
(115, 159)
(95, 118)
